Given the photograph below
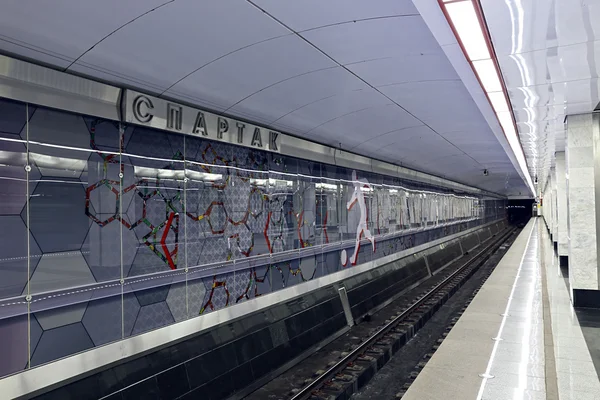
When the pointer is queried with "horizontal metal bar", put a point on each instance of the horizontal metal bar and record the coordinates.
(31, 83)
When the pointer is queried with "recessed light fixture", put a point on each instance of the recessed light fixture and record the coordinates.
(467, 21)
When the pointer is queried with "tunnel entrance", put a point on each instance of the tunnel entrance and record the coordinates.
(519, 211)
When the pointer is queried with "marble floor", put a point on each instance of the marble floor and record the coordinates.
(519, 338)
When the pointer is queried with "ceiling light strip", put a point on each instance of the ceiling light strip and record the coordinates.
(468, 24)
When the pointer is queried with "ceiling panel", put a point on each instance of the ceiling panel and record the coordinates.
(59, 31)
(166, 45)
(239, 75)
(518, 36)
(26, 51)
(394, 139)
(470, 137)
(375, 39)
(454, 166)
(320, 112)
(275, 101)
(445, 98)
(445, 106)
(426, 145)
(547, 53)
(366, 123)
(310, 14)
(408, 68)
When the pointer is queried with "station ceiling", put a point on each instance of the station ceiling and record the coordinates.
(383, 78)
(549, 54)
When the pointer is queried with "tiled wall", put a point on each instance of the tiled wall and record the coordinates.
(108, 231)
(226, 359)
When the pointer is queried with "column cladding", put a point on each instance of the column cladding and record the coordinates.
(561, 202)
(582, 201)
(554, 227)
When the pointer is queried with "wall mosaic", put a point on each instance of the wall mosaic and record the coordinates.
(108, 231)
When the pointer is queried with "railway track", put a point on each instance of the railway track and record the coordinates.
(358, 366)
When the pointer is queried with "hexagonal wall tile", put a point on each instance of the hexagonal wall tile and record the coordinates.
(13, 177)
(242, 284)
(102, 318)
(263, 286)
(13, 255)
(60, 271)
(150, 143)
(13, 116)
(308, 265)
(61, 342)
(220, 292)
(59, 128)
(57, 166)
(102, 250)
(13, 344)
(153, 295)
(105, 134)
(146, 262)
(60, 316)
(153, 316)
(196, 292)
(278, 276)
(56, 216)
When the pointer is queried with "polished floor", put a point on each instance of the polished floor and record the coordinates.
(519, 338)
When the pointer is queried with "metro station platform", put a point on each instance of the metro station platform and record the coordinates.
(520, 338)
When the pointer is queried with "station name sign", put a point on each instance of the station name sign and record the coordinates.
(142, 109)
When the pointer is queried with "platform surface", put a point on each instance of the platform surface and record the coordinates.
(519, 338)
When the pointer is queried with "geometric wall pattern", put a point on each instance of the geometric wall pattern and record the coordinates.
(103, 202)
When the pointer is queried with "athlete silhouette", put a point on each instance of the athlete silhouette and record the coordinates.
(359, 197)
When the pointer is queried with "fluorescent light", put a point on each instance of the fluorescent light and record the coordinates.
(202, 176)
(506, 121)
(488, 75)
(328, 186)
(467, 26)
(258, 182)
(498, 101)
(473, 38)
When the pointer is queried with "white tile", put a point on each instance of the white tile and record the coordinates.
(574, 367)
(442, 383)
(510, 367)
(571, 394)
(579, 383)
(572, 353)
(509, 393)
(518, 381)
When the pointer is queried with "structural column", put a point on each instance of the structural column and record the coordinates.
(561, 208)
(582, 200)
(547, 204)
(554, 227)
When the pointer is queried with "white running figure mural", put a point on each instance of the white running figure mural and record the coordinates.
(358, 197)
